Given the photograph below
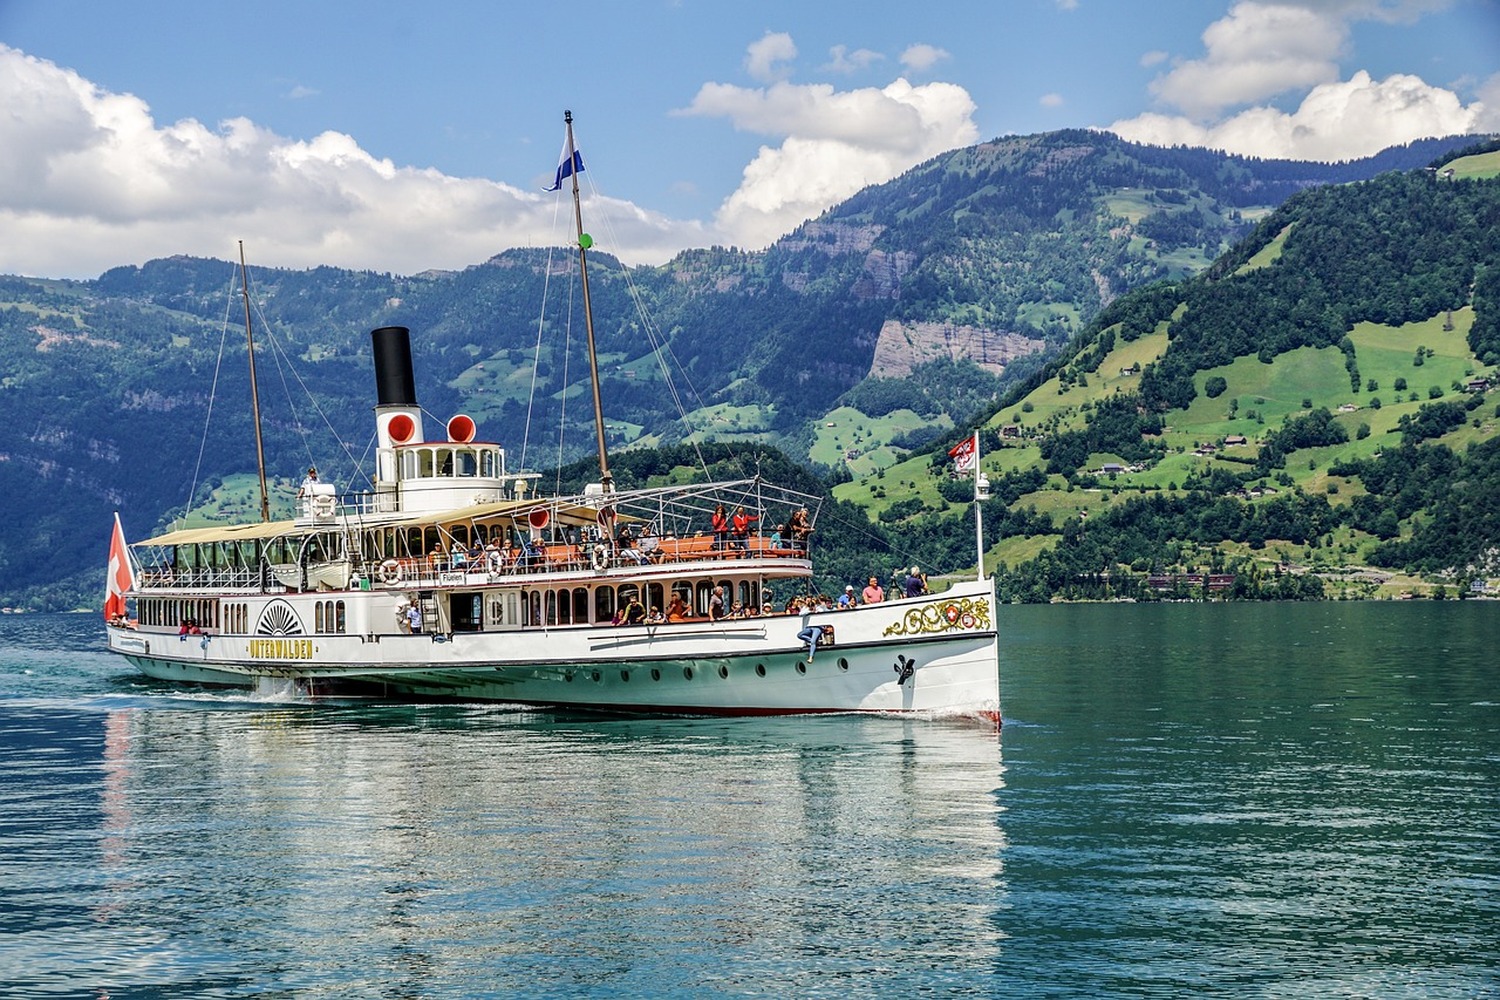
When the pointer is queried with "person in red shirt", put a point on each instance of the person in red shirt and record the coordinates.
(720, 524)
(741, 522)
(873, 592)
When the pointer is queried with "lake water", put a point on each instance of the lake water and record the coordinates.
(1186, 800)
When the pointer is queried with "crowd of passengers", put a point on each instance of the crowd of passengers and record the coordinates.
(904, 583)
(642, 546)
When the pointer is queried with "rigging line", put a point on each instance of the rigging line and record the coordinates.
(278, 349)
(541, 324)
(562, 419)
(213, 390)
(661, 348)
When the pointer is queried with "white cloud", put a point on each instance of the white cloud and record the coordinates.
(763, 58)
(1336, 121)
(301, 92)
(833, 144)
(1052, 101)
(1256, 51)
(92, 181)
(841, 60)
(921, 57)
(1487, 116)
(1153, 58)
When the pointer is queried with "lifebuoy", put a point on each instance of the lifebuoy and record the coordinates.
(390, 572)
(323, 506)
(599, 557)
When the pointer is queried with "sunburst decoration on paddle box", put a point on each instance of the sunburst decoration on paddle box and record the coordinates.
(943, 616)
(278, 619)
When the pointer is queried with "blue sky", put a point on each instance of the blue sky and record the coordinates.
(401, 136)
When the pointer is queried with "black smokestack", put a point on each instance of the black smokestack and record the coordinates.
(394, 385)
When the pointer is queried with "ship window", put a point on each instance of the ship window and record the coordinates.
(564, 602)
(705, 590)
(424, 463)
(750, 593)
(340, 618)
(654, 592)
(628, 593)
(551, 608)
(580, 604)
(604, 604)
(445, 462)
(487, 462)
(467, 463)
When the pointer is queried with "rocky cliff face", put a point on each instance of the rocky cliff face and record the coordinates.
(903, 346)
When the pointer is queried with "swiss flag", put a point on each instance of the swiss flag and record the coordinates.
(963, 453)
(119, 580)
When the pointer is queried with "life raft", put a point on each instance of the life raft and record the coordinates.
(390, 572)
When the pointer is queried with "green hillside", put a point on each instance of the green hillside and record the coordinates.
(895, 318)
(1258, 422)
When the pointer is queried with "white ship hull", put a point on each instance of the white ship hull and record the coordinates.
(933, 655)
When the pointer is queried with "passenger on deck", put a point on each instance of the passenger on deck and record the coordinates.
(720, 524)
(810, 633)
(916, 583)
(634, 612)
(800, 527)
(494, 556)
(716, 605)
(458, 557)
(625, 546)
(873, 593)
(741, 527)
(308, 482)
(650, 545)
(676, 610)
(655, 617)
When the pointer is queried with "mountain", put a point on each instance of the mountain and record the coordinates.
(861, 335)
(1315, 414)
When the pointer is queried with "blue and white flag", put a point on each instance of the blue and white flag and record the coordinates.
(567, 168)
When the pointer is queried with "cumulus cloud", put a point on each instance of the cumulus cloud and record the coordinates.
(922, 57)
(1487, 116)
(1335, 121)
(92, 181)
(1264, 50)
(764, 58)
(833, 143)
(841, 60)
(1256, 51)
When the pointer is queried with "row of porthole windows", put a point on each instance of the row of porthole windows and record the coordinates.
(328, 616)
(688, 673)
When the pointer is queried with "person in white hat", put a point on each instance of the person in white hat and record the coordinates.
(846, 599)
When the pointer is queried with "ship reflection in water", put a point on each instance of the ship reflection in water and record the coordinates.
(425, 850)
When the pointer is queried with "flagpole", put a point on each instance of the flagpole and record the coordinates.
(588, 312)
(978, 513)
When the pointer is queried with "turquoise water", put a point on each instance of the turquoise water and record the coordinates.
(1282, 800)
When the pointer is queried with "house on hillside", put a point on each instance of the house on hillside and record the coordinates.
(1233, 440)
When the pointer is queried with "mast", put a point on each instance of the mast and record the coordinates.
(584, 242)
(981, 491)
(260, 448)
